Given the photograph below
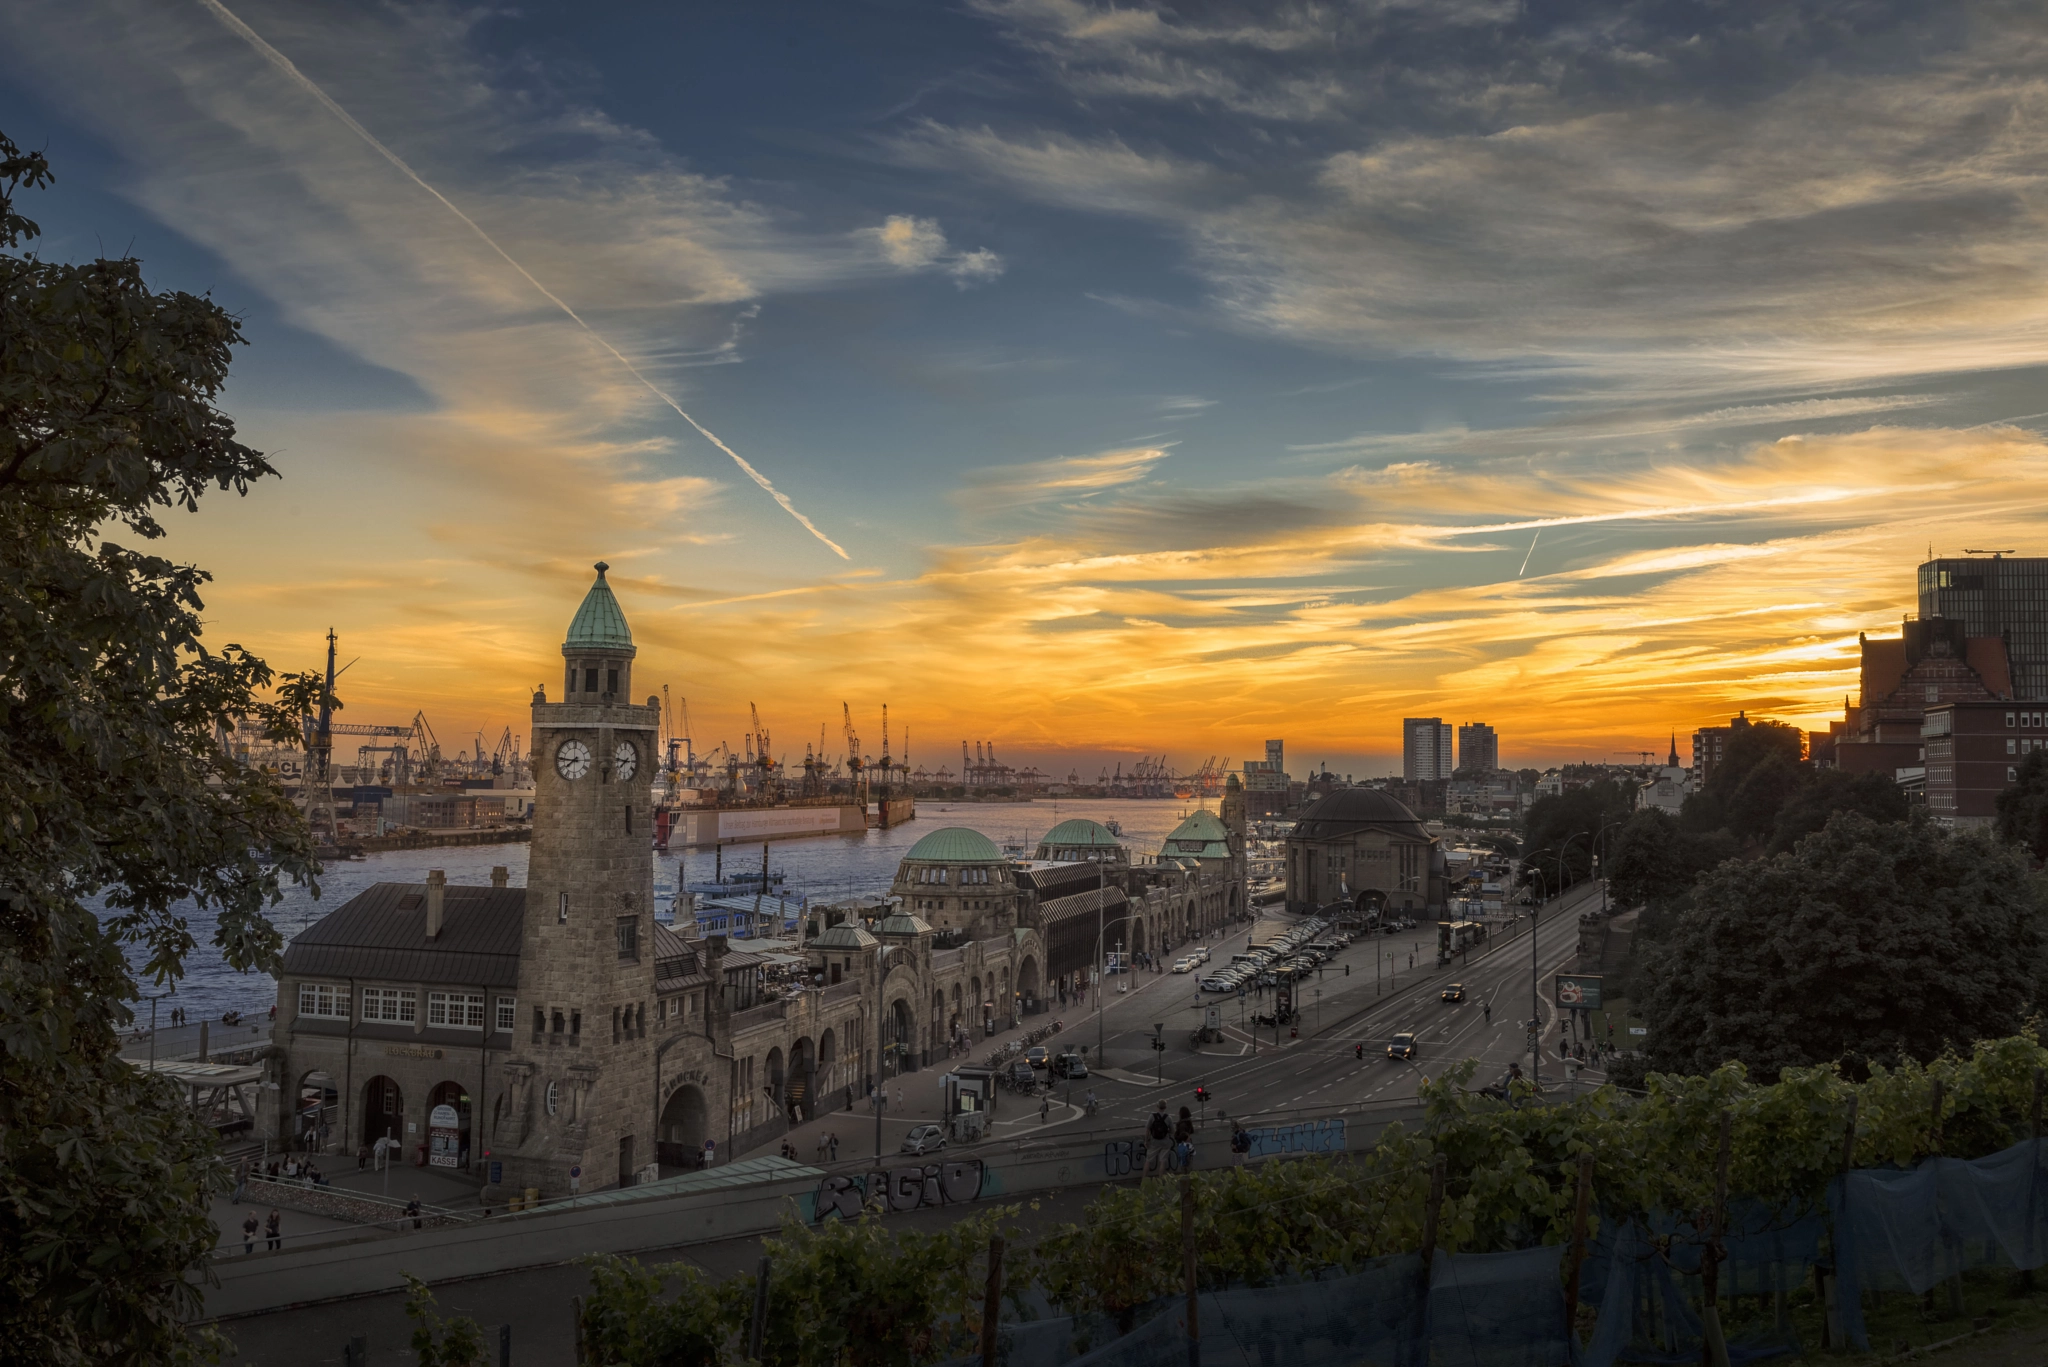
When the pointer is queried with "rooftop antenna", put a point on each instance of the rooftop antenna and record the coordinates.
(1971, 551)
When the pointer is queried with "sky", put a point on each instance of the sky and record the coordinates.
(1096, 381)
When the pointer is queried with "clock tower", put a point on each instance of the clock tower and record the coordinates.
(579, 1079)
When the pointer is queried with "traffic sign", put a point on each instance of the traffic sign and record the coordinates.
(1638, 1030)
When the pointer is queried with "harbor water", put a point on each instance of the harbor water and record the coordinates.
(823, 868)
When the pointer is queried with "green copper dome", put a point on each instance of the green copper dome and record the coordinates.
(1200, 835)
(1080, 831)
(599, 624)
(956, 845)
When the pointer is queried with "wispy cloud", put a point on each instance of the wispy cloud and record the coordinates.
(914, 244)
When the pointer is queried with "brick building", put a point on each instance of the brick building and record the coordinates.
(1974, 750)
(1931, 662)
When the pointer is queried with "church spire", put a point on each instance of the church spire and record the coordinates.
(1673, 761)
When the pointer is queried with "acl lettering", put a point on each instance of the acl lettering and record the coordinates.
(929, 1184)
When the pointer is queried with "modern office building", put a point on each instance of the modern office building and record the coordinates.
(1974, 751)
(1426, 748)
(1478, 748)
(2001, 596)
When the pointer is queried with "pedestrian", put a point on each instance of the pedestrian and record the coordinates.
(1158, 1136)
(412, 1210)
(241, 1182)
(249, 1228)
(832, 1145)
(1240, 1144)
(899, 1096)
(821, 1148)
(1044, 1108)
(1184, 1141)
(273, 1011)
(273, 1232)
(362, 1157)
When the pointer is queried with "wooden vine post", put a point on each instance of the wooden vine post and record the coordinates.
(1831, 1322)
(1582, 1206)
(992, 1301)
(2034, 1133)
(1715, 1347)
(1187, 1260)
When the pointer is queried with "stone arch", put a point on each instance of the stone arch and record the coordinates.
(801, 1091)
(455, 1095)
(899, 1035)
(1233, 906)
(938, 1020)
(828, 1060)
(685, 1124)
(1137, 935)
(383, 1104)
(315, 1119)
(772, 1076)
(1027, 980)
(1189, 920)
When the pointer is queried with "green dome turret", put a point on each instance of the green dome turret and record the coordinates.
(599, 624)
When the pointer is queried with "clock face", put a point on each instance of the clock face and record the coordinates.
(573, 759)
(625, 759)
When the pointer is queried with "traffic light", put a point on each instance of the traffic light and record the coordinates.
(1358, 1051)
(1201, 1094)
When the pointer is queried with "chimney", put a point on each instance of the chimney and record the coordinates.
(499, 878)
(437, 888)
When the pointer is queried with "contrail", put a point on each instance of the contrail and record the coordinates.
(1532, 540)
(304, 82)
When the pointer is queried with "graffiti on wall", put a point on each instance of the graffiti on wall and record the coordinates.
(898, 1189)
(1310, 1136)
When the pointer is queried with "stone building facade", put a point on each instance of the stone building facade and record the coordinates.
(1363, 846)
(557, 1037)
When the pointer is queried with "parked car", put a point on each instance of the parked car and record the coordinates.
(1185, 964)
(1038, 1056)
(923, 1138)
(1022, 1075)
(1202, 953)
(1402, 1046)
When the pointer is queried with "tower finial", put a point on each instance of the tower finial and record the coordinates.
(601, 568)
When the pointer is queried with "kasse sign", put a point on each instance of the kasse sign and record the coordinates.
(1581, 990)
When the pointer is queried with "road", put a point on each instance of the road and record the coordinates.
(1319, 1070)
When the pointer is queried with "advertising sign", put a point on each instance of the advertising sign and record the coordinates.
(444, 1137)
(1579, 990)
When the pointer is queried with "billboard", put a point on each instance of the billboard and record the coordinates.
(1579, 990)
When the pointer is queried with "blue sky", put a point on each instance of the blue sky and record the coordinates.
(1169, 378)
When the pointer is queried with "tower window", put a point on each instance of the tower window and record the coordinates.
(611, 681)
(562, 909)
(590, 680)
(629, 818)
(629, 937)
(575, 1027)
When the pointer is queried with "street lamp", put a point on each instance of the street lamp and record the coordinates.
(1100, 926)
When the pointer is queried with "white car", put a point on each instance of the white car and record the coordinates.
(1185, 964)
(1201, 954)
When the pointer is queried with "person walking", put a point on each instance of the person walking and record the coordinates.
(249, 1228)
(1184, 1142)
(273, 1232)
(1240, 1143)
(241, 1182)
(832, 1145)
(412, 1210)
(1159, 1141)
(362, 1157)
(1044, 1108)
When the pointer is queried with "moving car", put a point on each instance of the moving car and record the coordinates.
(923, 1138)
(1453, 993)
(1021, 1075)
(1038, 1056)
(1069, 1064)
(1201, 954)
(1402, 1046)
(1185, 964)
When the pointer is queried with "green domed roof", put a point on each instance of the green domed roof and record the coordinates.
(599, 624)
(956, 845)
(1080, 831)
(1200, 835)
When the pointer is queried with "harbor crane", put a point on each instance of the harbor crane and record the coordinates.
(853, 761)
(762, 758)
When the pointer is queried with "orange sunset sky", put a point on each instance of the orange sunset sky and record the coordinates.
(1118, 381)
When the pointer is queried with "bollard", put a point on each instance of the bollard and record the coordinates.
(504, 1345)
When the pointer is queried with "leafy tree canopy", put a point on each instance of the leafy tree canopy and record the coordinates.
(1567, 825)
(113, 785)
(1654, 858)
(2023, 807)
(1762, 766)
(1870, 943)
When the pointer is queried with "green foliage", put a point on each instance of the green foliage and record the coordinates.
(1653, 858)
(438, 1342)
(1869, 943)
(113, 786)
(1761, 768)
(2023, 807)
(1828, 791)
(1568, 824)
(629, 1321)
(852, 1293)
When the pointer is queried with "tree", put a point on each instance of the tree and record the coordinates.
(1828, 791)
(1762, 767)
(1568, 824)
(113, 785)
(1654, 859)
(1869, 943)
(2023, 807)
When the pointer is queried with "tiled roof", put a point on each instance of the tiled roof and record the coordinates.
(381, 932)
(599, 624)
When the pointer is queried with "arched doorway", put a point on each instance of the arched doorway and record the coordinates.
(1233, 902)
(685, 1123)
(1137, 935)
(316, 1116)
(383, 1110)
(772, 1073)
(828, 1063)
(801, 1090)
(446, 1150)
(937, 1028)
(1027, 982)
(1188, 921)
(900, 1037)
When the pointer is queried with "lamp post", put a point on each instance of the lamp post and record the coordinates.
(1100, 926)
(881, 973)
(1536, 991)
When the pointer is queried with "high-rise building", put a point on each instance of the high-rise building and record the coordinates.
(1426, 748)
(2000, 596)
(1478, 747)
